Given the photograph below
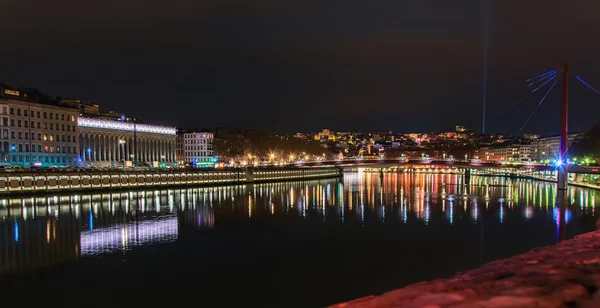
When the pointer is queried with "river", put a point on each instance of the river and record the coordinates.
(287, 244)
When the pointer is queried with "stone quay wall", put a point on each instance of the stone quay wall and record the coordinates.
(563, 275)
(54, 182)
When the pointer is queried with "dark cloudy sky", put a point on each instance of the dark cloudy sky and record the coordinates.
(303, 65)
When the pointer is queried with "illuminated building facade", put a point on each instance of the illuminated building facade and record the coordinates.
(35, 133)
(109, 143)
(547, 148)
(197, 148)
(500, 154)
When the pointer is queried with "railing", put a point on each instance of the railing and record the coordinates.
(47, 182)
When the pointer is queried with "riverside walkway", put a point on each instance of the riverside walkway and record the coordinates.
(563, 275)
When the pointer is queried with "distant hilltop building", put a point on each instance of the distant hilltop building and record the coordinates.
(461, 129)
(325, 135)
(531, 136)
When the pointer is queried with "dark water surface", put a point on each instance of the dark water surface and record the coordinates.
(294, 244)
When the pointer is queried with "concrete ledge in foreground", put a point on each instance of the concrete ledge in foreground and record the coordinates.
(563, 275)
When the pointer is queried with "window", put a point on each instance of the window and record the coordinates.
(12, 111)
(38, 114)
(51, 126)
(45, 115)
(26, 123)
(19, 123)
(19, 112)
(57, 138)
(51, 116)
(5, 134)
(39, 125)
(26, 135)
(68, 128)
(63, 138)
(33, 148)
(63, 127)
(72, 118)
(62, 117)
(20, 147)
(45, 125)
(27, 148)
(12, 135)
(12, 122)
(40, 148)
(74, 151)
(25, 113)
(51, 138)
(4, 121)
(4, 110)
(40, 136)
(32, 124)
(20, 135)
(63, 149)
(68, 150)
(57, 149)
(51, 149)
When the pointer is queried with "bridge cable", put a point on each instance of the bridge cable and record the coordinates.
(527, 95)
(533, 112)
(541, 75)
(588, 85)
(537, 81)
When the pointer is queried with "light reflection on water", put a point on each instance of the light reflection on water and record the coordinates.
(36, 232)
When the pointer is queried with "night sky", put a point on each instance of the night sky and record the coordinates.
(291, 65)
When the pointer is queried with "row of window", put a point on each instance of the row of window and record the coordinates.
(45, 115)
(197, 147)
(39, 125)
(199, 159)
(25, 135)
(200, 154)
(39, 148)
(197, 141)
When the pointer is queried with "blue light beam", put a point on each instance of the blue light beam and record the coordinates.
(587, 85)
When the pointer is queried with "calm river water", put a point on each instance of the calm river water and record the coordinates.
(292, 244)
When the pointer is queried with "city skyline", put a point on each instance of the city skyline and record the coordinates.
(299, 67)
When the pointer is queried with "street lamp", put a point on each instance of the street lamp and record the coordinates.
(271, 157)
